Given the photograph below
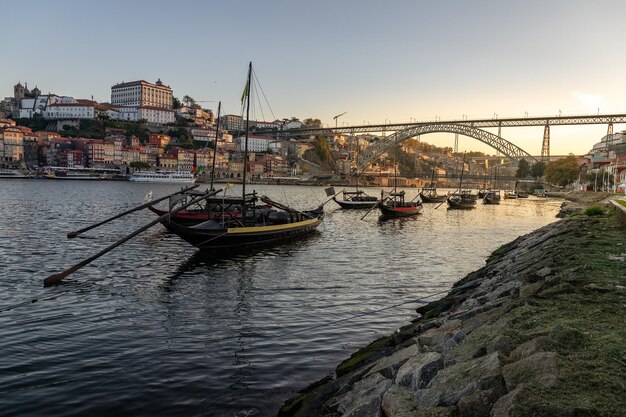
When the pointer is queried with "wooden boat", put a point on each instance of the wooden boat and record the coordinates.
(510, 195)
(522, 194)
(254, 226)
(429, 195)
(462, 199)
(492, 197)
(395, 206)
(356, 200)
(234, 222)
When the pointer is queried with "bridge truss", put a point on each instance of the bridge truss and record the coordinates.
(376, 149)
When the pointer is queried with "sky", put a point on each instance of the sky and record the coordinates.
(378, 61)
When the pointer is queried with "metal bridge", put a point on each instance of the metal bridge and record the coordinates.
(471, 128)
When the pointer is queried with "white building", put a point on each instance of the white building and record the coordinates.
(83, 109)
(255, 143)
(154, 114)
(142, 93)
(123, 113)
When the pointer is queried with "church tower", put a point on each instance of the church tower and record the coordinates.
(19, 91)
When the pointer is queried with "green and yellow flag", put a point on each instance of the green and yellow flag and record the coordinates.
(246, 91)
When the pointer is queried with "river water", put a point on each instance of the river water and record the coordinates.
(155, 328)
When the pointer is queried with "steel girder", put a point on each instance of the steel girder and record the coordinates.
(511, 122)
(373, 152)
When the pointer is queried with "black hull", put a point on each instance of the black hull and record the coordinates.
(462, 205)
(240, 237)
(355, 205)
(438, 199)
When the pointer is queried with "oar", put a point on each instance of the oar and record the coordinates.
(56, 278)
(336, 194)
(71, 235)
(373, 207)
(448, 196)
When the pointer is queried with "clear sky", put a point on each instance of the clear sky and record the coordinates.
(379, 61)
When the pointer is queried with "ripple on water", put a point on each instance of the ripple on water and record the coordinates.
(157, 328)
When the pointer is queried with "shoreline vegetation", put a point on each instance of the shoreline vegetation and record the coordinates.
(538, 331)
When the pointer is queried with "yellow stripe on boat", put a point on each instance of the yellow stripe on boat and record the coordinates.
(271, 228)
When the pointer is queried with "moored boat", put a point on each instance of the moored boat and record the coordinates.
(429, 195)
(239, 221)
(492, 197)
(12, 174)
(395, 206)
(510, 195)
(355, 200)
(461, 201)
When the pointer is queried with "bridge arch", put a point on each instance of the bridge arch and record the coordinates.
(506, 148)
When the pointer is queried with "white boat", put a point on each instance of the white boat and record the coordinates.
(12, 173)
(163, 176)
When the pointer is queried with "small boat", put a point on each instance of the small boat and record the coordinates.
(462, 199)
(176, 177)
(522, 194)
(482, 193)
(395, 206)
(492, 197)
(356, 200)
(510, 195)
(429, 195)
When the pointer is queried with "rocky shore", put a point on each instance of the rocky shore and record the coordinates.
(538, 331)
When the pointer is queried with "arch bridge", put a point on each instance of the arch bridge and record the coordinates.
(376, 149)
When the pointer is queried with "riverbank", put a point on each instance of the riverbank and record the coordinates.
(537, 331)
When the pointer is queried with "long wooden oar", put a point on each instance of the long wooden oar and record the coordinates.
(71, 235)
(336, 194)
(373, 207)
(56, 278)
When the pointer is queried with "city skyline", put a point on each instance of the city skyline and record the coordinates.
(379, 63)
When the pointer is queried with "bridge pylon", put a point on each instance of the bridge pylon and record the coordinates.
(545, 147)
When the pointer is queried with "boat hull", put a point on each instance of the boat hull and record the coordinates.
(400, 211)
(355, 205)
(207, 239)
(465, 204)
(435, 199)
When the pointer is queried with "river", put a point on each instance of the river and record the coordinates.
(155, 328)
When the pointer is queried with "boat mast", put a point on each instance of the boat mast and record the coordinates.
(217, 131)
(245, 152)
(462, 169)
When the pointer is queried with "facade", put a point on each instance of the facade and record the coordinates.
(159, 141)
(125, 113)
(142, 93)
(85, 109)
(11, 146)
(153, 114)
(232, 123)
(255, 143)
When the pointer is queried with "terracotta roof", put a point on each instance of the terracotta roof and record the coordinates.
(139, 82)
(90, 104)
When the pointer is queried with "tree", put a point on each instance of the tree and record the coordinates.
(537, 169)
(176, 103)
(313, 122)
(562, 171)
(523, 169)
(189, 101)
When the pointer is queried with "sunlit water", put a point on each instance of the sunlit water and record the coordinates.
(155, 328)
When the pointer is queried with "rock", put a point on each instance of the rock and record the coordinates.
(363, 399)
(452, 384)
(419, 371)
(539, 369)
(529, 348)
(398, 402)
(502, 344)
(476, 404)
(389, 365)
(504, 404)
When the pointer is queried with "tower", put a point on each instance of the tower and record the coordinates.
(18, 91)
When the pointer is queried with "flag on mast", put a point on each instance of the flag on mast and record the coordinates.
(246, 91)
